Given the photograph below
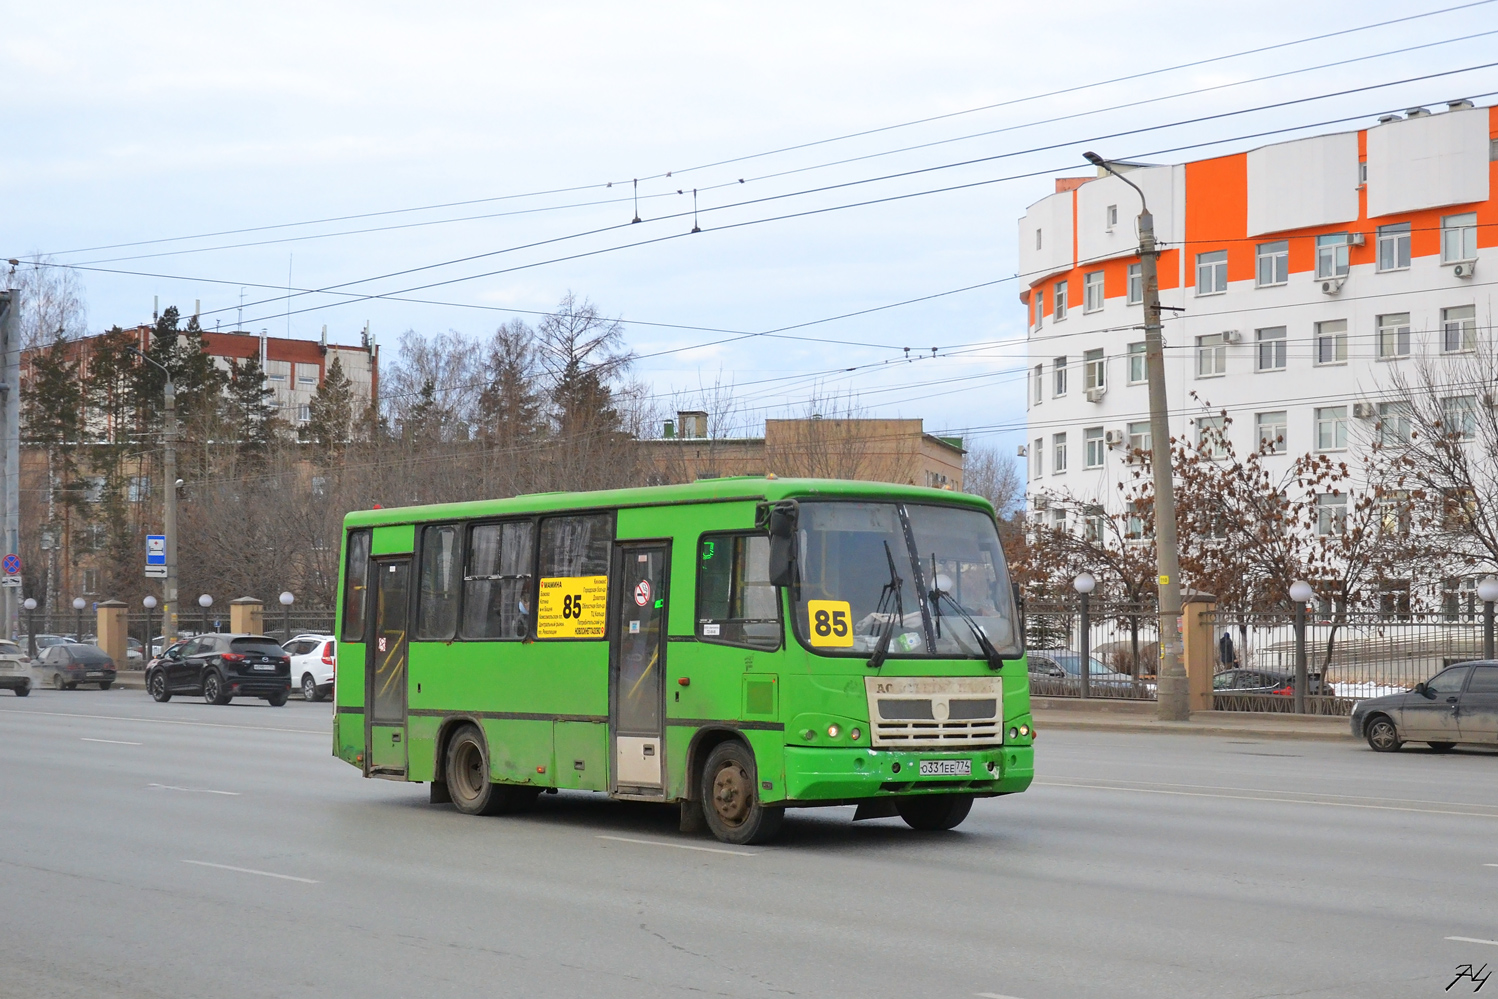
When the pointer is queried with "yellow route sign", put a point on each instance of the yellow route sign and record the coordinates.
(572, 607)
(830, 624)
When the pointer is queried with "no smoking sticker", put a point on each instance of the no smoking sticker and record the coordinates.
(642, 592)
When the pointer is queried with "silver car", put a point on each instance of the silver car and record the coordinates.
(1458, 704)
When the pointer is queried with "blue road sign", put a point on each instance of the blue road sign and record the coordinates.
(155, 549)
(12, 564)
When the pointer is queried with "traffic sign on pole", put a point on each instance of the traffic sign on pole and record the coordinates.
(156, 550)
(11, 564)
(155, 572)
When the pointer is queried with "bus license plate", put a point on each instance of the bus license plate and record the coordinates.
(946, 768)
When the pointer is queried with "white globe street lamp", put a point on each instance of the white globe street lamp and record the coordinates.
(287, 598)
(1300, 593)
(1487, 591)
(1084, 584)
(205, 601)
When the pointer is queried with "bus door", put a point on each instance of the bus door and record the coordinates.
(385, 671)
(637, 663)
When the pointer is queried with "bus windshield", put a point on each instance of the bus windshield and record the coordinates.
(930, 573)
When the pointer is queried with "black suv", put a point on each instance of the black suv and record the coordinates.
(222, 667)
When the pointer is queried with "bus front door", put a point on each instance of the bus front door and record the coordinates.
(636, 667)
(385, 672)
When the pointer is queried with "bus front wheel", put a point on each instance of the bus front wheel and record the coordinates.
(934, 811)
(468, 778)
(730, 797)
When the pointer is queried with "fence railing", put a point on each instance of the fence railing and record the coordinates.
(1122, 644)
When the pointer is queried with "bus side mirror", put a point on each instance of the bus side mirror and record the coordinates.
(782, 526)
(1019, 609)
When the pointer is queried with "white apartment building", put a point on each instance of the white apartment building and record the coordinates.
(1297, 278)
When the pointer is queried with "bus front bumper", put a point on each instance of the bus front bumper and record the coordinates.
(814, 774)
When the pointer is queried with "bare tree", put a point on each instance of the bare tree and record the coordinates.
(996, 477)
(52, 302)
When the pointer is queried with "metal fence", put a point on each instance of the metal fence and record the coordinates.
(1121, 641)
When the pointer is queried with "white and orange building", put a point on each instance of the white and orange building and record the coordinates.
(1297, 278)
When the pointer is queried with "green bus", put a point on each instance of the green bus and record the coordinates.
(736, 645)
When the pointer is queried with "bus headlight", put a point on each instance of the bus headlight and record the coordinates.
(1024, 730)
(833, 731)
(855, 734)
(1013, 732)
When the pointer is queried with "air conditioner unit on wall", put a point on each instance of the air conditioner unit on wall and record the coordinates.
(1331, 286)
(1022, 452)
(1356, 239)
(1364, 410)
(1465, 269)
(1113, 438)
(1095, 394)
(1231, 336)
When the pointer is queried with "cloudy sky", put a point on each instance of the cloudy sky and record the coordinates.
(461, 160)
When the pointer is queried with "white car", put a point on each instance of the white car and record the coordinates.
(15, 669)
(314, 660)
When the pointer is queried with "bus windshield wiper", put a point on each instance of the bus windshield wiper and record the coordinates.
(890, 594)
(987, 647)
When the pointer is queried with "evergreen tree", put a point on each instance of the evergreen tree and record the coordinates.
(332, 416)
(52, 402)
(250, 414)
(510, 406)
(199, 381)
(109, 385)
(423, 422)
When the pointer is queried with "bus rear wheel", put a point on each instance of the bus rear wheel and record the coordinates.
(468, 783)
(935, 811)
(730, 797)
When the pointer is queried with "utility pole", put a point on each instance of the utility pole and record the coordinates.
(169, 512)
(1172, 695)
(10, 343)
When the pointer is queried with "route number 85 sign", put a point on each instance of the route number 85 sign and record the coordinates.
(829, 623)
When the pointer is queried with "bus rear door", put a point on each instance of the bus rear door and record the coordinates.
(385, 690)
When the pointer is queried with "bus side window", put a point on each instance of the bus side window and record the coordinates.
(355, 583)
(497, 581)
(736, 603)
(437, 606)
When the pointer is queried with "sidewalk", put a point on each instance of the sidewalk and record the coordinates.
(1051, 713)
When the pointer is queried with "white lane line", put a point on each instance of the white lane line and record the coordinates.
(991, 995)
(1282, 801)
(248, 870)
(1490, 943)
(196, 790)
(679, 846)
(322, 732)
(114, 742)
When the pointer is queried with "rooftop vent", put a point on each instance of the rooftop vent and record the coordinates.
(1384, 119)
(1461, 105)
(1416, 113)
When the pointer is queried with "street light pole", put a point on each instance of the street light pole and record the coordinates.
(1173, 703)
(1084, 584)
(1487, 592)
(1300, 593)
(169, 513)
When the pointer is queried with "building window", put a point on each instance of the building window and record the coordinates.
(1331, 428)
(1271, 343)
(1058, 519)
(1331, 342)
(1211, 356)
(1459, 416)
(1394, 599)
(1138, 368)
(1273, 264)
(1458, 509)
(1112, 217)
(1037, 297)
(304, 413)
(1094, 451)
(1037, 458)
(1331, 256)
(1134, 528)
(1093, 527)
(1459, 598)
(1331, 514)
(93, 488)
(1038, 384)
(139, 489)
(1092, 292)
(1459, 328)
(1459, 238)
(1211, 436)
(1059, 307)
(1395, 513)
(1058, 453)
(1094, 370)
(1394, 423)
(1394, 335)
(1272, 428)
(1058, 378)
(306, 375)
(1212, 272)
(1394, 247)
(277, 371)
(1136, 284)
(1037, 239)
(1139, 438)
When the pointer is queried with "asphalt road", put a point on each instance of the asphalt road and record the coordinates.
(1139, 866)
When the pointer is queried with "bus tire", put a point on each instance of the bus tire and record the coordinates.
(467, 776)
(730, 798)
(934, 812)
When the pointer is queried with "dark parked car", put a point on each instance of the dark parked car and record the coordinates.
(1059, 671)
(66, 666)
(1458, 704)
(222, 667)
(1260, 681)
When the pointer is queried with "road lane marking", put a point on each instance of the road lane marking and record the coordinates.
(991, 995)
(169, 721)
(1278, 800)
(1490, 865)
(679, 846)
(249, 870)
(114, 742)
(1490, 943)
(196, 790)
